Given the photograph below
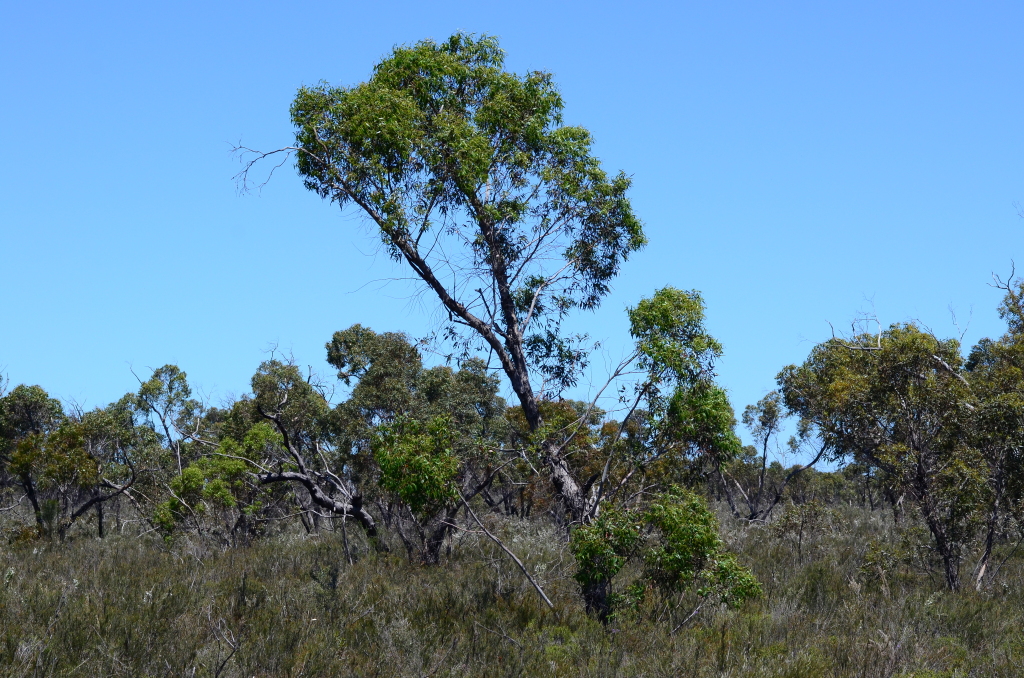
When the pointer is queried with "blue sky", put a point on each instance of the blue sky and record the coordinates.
(796, 162)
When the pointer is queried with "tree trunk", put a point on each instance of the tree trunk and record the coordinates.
(990, 529)
(595, 596)
(579, 508)
(30, 491)
(947, 551)
(727, 491)
(432, 546)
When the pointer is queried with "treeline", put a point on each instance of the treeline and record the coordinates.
(413, 455)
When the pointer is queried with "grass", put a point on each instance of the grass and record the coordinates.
(292, 605)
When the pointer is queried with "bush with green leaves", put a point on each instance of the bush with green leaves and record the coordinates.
(675, 544)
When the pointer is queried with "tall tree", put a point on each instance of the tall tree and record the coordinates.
(500, 210)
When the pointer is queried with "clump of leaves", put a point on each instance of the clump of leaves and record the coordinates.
(222, 483)
(417, 462)
(675, 542)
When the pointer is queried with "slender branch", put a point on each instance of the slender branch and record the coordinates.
(511, 555)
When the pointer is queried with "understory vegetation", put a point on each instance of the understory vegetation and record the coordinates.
(456, 505)
(851, 602)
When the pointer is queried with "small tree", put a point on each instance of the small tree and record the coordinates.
(428, 437)
(305, 424)
(68, 464)
(166, 398)
(419, 469)
(219, 495)
(900, 401)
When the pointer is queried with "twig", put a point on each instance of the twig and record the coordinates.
(498, 633)
(688, 617)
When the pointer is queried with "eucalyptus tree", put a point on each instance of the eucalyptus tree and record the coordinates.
(166, 399)
(995, 369)
(900, 401)
(505, 217)
(677, 416)
(427, 438)
(301, 448)
(501, 211)
(26, 412)
(69, 463)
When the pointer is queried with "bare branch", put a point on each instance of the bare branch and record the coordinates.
(511, 555)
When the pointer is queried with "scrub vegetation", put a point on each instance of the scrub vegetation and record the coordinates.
(452, 506)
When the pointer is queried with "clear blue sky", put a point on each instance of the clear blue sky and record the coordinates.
(796, 162)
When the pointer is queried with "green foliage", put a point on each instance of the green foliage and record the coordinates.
(206, 485)
(670, 335)
(676, 540)
(223, 484)
(59, 459)
(384, 365)
(66, 463)
(702, 416)
(900, 402)
(417, 463)
(764, 418)
(441, 140)
(280, 390)
(603, 547)
(25, 411)
(680, 424)
(688, 551)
